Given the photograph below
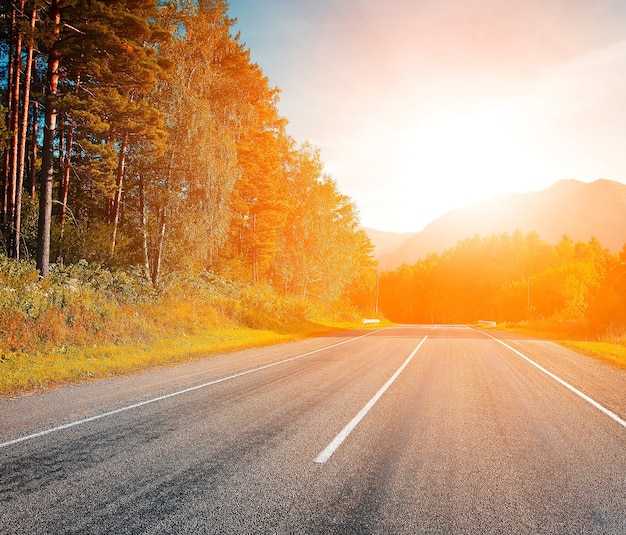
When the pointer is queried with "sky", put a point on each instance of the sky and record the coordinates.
(422, 106)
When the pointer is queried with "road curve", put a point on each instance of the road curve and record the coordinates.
(436, 429)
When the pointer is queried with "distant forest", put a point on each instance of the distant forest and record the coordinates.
(139, 133)
(516, 278)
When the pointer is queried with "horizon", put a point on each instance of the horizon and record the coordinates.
(489, 199)
(421, 109)
(580, 212)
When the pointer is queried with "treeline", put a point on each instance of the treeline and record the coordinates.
(512, 278)
(139, 132)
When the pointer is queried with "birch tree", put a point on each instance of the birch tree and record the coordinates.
(187, 191)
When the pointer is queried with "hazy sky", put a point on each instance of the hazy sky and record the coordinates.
(421, 106)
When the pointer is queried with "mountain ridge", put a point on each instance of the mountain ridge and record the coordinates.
(580, 210)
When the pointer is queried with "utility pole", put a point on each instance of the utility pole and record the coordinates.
(377, 288)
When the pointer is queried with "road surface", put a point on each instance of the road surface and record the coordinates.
(409, 429)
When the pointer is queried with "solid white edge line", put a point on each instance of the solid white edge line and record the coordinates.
(343, 434)
(584, 396)
(177, 393)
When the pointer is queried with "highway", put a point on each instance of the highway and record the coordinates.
(401, 430)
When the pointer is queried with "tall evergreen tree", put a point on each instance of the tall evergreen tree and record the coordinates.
(14, 249)
(103, 57)
(50, 127)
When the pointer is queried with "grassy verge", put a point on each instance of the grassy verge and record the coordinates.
(56, 365)
(613, 352)
(610, 348)
(526, 330)
(85, 322)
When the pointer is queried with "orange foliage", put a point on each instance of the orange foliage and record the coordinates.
(511, 278)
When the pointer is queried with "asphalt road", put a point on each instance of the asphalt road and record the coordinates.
(415, 429)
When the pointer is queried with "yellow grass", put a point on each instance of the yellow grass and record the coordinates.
(612, 352)
(524, 330)
(71, 329)
(57, 365)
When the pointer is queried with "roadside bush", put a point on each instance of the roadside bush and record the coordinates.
(262, 307)
(16, 275)
(15, 331)
(87, 304)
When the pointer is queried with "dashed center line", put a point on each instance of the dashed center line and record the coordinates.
(338, 440)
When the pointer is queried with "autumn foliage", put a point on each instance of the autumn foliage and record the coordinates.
(571, 286)
(164, 151)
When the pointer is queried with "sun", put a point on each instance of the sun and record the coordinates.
(463, 158)
(420, 168)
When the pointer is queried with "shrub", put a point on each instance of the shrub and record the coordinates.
(86, 304)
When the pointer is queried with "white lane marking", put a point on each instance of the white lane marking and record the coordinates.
(338, 440)
(178, 393)
(584, 396)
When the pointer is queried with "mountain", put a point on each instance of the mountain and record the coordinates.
(579, 209)
(386, 242)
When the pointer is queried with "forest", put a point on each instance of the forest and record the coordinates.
(139, 134)
(575, 287)
(144, 161)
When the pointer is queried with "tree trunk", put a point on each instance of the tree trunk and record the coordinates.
(33, 147)
(117, 201)
(255, 257)
(158, 254)
(47, 164)
(156, 271)
(65, 179)
(22, 141)
(6, 171)
(144, 230)
(67, 166)
(14, 127)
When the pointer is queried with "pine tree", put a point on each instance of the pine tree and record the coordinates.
(50, 128)
(101, 62)
(14, 249)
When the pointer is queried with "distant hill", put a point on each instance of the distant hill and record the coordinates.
(386, 242)
(579, 209)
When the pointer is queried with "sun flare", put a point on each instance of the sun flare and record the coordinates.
(468, 154)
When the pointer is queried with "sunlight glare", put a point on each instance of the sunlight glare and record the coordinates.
(458, 160)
